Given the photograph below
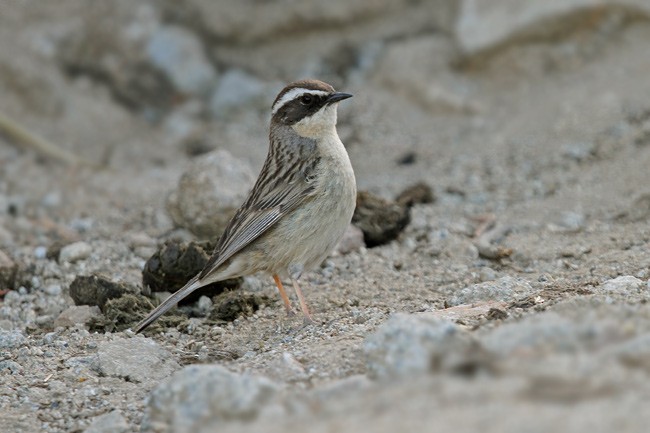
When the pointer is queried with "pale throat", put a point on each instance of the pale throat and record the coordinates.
(318, 126)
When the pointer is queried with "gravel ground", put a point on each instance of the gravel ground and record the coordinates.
(513, 297)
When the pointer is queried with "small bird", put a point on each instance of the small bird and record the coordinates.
(300, 205)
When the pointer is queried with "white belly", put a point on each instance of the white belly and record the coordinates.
(305, 237)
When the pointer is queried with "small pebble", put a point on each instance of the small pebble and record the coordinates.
(82, 225)
(204, 305)
(111, 422)
(141, 240)
(53, 290)
(75, 252)
(504, 289)
(52, 199)
(6, 325)
(77, 314)
(12, 366)
(40, 252)
(11, 339)
(487, 274)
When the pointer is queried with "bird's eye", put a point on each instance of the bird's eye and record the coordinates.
(306, 99)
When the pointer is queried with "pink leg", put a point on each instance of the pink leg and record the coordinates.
(283, 294)
(303, 304)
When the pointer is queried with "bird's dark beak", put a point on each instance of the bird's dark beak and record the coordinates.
(337, 97)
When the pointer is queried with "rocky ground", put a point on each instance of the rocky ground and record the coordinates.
(507, 293)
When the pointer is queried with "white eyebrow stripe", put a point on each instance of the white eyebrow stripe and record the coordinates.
(293, 94)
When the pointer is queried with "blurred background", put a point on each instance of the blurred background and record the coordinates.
(124, 124)
(496, 101)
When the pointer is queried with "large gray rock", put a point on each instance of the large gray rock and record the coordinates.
(201, 395)
(136, 359)
(179, 54)
(483, 26)
(410, 344)
(209, 193)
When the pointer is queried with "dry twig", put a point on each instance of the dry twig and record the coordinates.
(22, 137)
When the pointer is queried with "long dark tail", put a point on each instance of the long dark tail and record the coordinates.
(174, 299)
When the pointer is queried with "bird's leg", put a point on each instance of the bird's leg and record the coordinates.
(295, 271)
(303, 304)
(283, 295)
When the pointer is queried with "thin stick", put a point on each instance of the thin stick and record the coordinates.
(23, 137)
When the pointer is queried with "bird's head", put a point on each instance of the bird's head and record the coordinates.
(308, 107)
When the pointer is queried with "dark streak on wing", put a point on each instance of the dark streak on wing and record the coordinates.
(254, 218)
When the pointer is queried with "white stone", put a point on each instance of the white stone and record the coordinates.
(75, 252)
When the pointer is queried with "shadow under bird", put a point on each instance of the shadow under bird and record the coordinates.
(300, 205)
